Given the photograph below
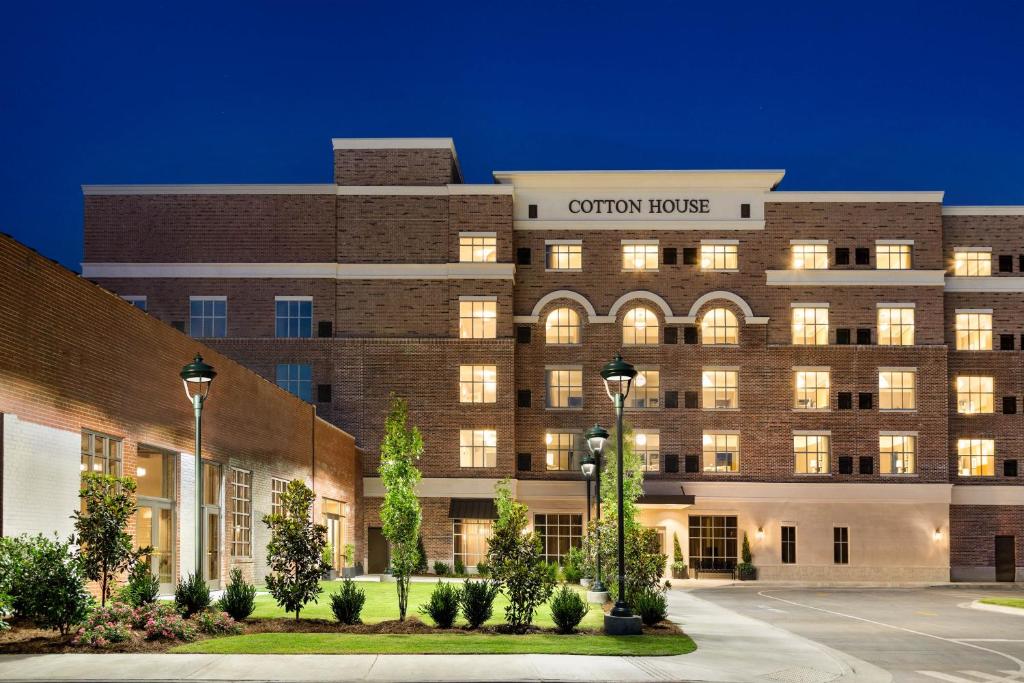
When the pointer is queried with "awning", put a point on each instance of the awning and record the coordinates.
(472, 508)
(667, 498)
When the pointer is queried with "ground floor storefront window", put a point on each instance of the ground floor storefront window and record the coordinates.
(558, 533)
(712, 542)
(470, 537)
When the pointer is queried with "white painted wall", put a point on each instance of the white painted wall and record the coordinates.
(187, 516)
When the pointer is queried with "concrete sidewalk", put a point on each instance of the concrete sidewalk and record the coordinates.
(731, 647)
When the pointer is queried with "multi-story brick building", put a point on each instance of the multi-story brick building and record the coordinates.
(833, 374)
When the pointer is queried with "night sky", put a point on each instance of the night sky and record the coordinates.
(844, 96)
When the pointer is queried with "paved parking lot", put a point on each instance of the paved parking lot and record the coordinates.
(916, 634)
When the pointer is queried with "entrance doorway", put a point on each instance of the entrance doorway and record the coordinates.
(212, 480)
(713, 542)
(154, 522)
(335, 531)
(1006, 560)
(377, 551)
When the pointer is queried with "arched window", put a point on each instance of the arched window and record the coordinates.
(719, 326)
(563, 327)
(640, 326)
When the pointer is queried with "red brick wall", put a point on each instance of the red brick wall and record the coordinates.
(395, 167)
(973, 528)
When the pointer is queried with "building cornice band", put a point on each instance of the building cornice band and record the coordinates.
(842, 197)
(577, 224)
(984, 284)
(855, 278)
(237, 188)
(983, 210)
(337, 271)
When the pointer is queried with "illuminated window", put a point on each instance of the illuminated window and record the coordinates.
(478, 383)
(101, 454)
(646, 391)
(640, 326)
(277, 489)
(974, 395)
(558, 447)
(972, 262)
(721, 452)
(719, 256)
(208, 316)
(647, 445)
(296, 378)
(478, 447)
(974, 330)
(897, 453)
(293, 316)
(810, 325)
(565, 388)
(639, 256)
(719, 326)
(892, 256)
(719, 388)
(478, 248)
(810, 255)
(563, 256)
(478, 319)
(241, 512)
(562, 327)
(558, 533)
(976, 457)
(896, 326)
(897, 389)
(470, 538)
(811, 389)
(811, 452)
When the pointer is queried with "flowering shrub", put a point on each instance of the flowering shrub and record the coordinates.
(216, 623)
(154, 610)
(105, 625)
(168, 625)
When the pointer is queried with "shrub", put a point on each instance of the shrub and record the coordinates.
(442, 569)
(154, 610)
(443, 605)
(105, 625)
(573, 568)
(567, 609)
(477, 601)
(192, 595)
(650, 605)
(294, 553)
(460, 567)
(6, 607)
(142, 587)
(216, 623)
(745, 570)
(165, 625)
(239, 597)
(552, 570)
(55, 596)
(14, 571)
(421, 562)
(483, 569)
(347, 603)
(327, 557)
(350, 556)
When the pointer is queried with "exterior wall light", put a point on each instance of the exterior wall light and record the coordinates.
(937, 534)
(760, 533)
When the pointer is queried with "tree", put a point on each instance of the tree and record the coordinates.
(295, 551)
(516, 561)
(632, 481)
(400, 513)
(104, 544)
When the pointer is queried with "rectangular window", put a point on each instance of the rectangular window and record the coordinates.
(713, 542)
(974, 330)
(811, 452)
(241, 513)
(810, 325)
(720, 388)
(154, 474)
(721, 452)
(136, 300)
(208, 316)
(974, 395)
(565, 388)
(977, 457)
(478, 383)
(296, 378)
(478, 448)
(277, 487)
(563, 255)
(559, 447)
(646, 391)
(896, 326)
(897, 453)
(788, 545)
(719, 256)
(972, 262)
(841, 545)
(639, 256)
(101, 454)
(294, 316)
(812, 389)
(809, 255)
(892, 256)
(478, 318)
(470, 538)
(558, 533)
(480, 247)
(897, 389)
(647, 444)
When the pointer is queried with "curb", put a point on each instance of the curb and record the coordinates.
(1016, 611)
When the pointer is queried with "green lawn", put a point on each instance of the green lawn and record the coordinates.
(1005, 602)
(441, 643)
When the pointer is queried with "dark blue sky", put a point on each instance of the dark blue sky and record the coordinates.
(860, 95)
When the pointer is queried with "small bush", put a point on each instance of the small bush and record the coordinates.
(142, 587)
(421, 563)
(477, 601)
(552, 571)
(442, 569)
(192, 595)
(105, 625)
(650, 605)
(327, 558)
(347, 603)
(163, 625)
(154, 610)
(460, 567)
(6, 608)
(567, 609)
(443, 605)
(239, 597)
(14, 571)
(55, 595)
(573, 569)
(216, 623)
(483, 569)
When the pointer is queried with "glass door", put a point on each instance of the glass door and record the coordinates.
(154, 525)
(332, 510)
(211, 549)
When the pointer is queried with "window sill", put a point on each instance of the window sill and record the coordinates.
(565, 409)
(812, 410)
(563, 270)
(897, 475)
(818, 475)
(477, 403)
(721, 410)
(723, 474)
(719, 270)
(897, 410)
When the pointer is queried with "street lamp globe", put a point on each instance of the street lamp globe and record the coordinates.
(588, 465)
(197, 377)
(618, 377)
(596, 437)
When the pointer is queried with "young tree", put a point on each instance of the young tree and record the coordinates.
(632, 481)
(104, 544)
(295, 551)
(400, 514)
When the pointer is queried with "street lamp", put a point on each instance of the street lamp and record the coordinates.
(618, 377)
(197, 377)
(596, 437)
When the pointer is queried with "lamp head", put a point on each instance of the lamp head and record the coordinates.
(618, 377)
(588, 464)
(197, 377)
(596, 437)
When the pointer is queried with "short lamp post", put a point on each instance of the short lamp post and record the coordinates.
(197, 377)
(618, 377)
(596, 437)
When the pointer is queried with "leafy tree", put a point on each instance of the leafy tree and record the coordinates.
(516, 561)
(295, 551)
(745, 569)
(400, 513)
(632, 481)
(104, 544)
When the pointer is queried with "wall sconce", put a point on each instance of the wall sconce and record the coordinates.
(937, 534)
(760, 533)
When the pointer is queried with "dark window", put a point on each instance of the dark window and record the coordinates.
(1009, 468)
(845, 464)
(689, 256)
(744, 210)
(672, 463)
(524, 256)
(863, 335)
(789, 545)
(864, 400)
(862, 256)
(690, 335)
(1006, 342)
(531, 210)
(842, 256)
(690, 399)
(671, 335)
(524, 398)
(842, 335)
(323, 393)
(325, 328)
(523, 334)
(671, 399)
(845, 400)
(1005, 263)
(866, 465)
(841, 545)
(523, 462)
(1009, 405)
(1020, 263)
(179, 325)
(1022, 341)
(668, 256)
(692, 463)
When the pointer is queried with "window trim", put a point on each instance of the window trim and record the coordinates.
(719, 368)
(470, 298)
(550, 243)
(898, 475)
(482, 235)
(246, 515)
(548, 369)
(483, 383)
(812, 368)
(718, 242)
(827, 472)
(636, 242)
(218, 297)
(483, 446)
(910, 370)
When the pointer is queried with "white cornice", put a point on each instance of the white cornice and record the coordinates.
(983, 210)
(986, 284)
(90, 190)
(774, 197)
(763, 180)
(621, 223)
(855, 278)
(338, 271)
(988, 495)
(428, 190)
(393, 143)
(833, 492)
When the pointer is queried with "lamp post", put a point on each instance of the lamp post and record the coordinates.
(618, 377)
(197, 377)
(596, 437)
